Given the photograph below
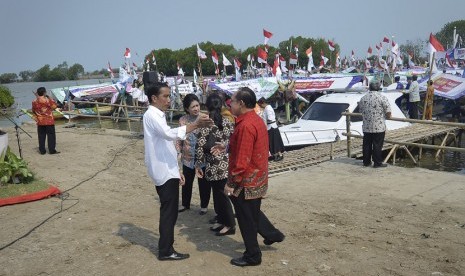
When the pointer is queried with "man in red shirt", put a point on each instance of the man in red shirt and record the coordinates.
(248, 177)
(42, 108)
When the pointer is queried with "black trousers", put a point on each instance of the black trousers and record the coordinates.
(46, 132)
(372, 148)
(169, 200)
(222, 204)
(252, 221)
(413, 110)
(204, 188)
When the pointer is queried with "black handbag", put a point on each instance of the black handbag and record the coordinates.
(210, 143)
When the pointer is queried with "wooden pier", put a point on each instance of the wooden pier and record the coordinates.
(315, 154)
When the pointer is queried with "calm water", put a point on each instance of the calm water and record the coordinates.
(450, 161)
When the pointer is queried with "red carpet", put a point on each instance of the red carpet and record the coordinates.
(51, 191)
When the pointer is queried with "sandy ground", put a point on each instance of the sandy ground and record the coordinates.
(339, 218)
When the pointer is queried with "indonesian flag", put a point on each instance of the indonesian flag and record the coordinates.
(262, 56)
(267, 36)
(127, 53)
(367, 64)
(292, 59)
(226, 62)
(369, 52)
(386, 40)
(200, 53)
(324, 59)
(310, 64)
(331, 45)
(237, 64)
(110, 70)
(180, 71)
(282, 62)
(214, 57)
(379, 47)
(410, 59)
(154, 61)
(434, 44)
(275, 65)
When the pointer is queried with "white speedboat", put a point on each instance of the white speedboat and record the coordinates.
(323, 121)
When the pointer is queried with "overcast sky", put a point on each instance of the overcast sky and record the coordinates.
(93, 32)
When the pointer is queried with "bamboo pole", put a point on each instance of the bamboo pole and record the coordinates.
(394, 148)
(409, 154)
(98, 115)
(442, 145)
(410, 144)
(429, 79)
(349, 154)
(459, 125)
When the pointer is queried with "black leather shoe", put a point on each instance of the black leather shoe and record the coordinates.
(183, 209)
(217, 228)
(270, 242)
(174, 257)
(380, 166)
(213, 220)
(231, 231)
(43, 152)
(54, 152)
(241, 262)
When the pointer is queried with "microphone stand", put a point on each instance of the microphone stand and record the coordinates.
(17, 128)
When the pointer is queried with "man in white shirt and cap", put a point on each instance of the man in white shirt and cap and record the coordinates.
(162, 164)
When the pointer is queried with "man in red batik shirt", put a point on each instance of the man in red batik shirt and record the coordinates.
(42, 108)
(248, 176)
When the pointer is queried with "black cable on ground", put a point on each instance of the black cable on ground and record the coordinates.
(65, 196)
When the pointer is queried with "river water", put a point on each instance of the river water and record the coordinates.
(450, 161)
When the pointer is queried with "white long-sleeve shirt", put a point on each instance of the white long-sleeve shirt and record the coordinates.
(269, 117)
(160, 152)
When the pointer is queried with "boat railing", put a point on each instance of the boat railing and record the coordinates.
(314, 133)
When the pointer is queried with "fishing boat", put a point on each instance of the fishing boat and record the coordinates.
(76, 113)
(323, 122)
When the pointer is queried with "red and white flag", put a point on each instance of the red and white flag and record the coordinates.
(267, 36)
(324, 59)
(370, 51)
(386, 40)
(310, 64)
(226, 62)
(276, 66)
(237, 64)
(127, 53)
(262, 56)
(434, 44)
(367, 64)
(214, 57)
(200, 53)
(154, 61)
(331, 45)
(292, 59)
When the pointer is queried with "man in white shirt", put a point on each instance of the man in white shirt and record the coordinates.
(162, 164)
(414, 97)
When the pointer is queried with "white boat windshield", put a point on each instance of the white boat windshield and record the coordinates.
(327, 112)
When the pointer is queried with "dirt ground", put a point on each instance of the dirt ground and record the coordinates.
(339, 218)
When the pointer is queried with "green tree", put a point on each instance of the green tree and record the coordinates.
(417, 48)
(75, 71)
(8, 77)
(445, 35)
(42, 74)
(6, 99)
(27, 75)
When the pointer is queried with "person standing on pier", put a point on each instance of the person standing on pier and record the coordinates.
(375, 109)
